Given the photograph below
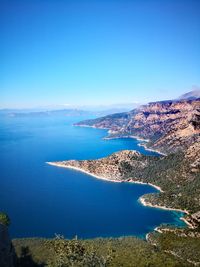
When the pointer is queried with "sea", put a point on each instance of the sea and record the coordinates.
(43, 200)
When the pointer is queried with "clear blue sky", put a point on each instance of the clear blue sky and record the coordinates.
(97, 52)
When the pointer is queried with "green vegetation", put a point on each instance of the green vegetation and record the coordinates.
(118, 252)
(4, 219)
(173, 247)
(75, 253)
(184, 247)
(172, 174)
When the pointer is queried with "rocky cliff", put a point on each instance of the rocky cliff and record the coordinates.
(173, 127)
(169, 125)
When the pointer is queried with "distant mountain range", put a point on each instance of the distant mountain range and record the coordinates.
(25, 113)
(191, 95)
(97, 111)
(71, 112)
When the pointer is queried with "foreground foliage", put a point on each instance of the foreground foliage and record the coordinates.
(173, 174)
(118, 252)
(74, 253)
(182, 246)
(4, 219)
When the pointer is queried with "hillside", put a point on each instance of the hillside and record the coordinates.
(173, 174)
(168, 125)
(173, 127)
(194, 94)
(107, 252)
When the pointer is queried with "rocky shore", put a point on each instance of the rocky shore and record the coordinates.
(126, 166)
(67, 164)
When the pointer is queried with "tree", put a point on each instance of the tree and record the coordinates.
(72, 253)
(4, 219)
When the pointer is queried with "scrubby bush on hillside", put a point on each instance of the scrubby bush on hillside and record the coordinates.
(4, 219)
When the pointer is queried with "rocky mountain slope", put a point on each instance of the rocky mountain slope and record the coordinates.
(169, 125)
(173, 127)
(194, 94)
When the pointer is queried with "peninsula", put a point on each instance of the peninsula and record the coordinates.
(172, 127)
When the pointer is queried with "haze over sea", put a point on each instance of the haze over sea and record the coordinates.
(42, 200)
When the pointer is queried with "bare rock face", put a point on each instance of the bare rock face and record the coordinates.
(193, 154)
(194, 94)
(172, 127)
(169, 125)
(6, 249)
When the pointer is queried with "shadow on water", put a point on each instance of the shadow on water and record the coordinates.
(25, 259)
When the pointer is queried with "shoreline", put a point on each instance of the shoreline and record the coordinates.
(188, 223)
(140, 139)
(153, 150)
(147, 204)
(103, 178)
(125, 136)
(89, 126)
(141, 199)
(81, 170)
(150, 184)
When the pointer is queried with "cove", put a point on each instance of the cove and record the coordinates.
(42, 200)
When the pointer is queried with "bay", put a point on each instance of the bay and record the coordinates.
(42, 200)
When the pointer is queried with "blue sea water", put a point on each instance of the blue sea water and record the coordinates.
(42, 200)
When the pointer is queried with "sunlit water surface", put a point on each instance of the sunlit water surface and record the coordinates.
(42, 200)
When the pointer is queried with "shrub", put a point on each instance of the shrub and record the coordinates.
(4, 219)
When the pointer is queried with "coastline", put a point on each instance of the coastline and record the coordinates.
(153, 150)
(140, 139)
(81, 170)
(144, 203)
(141, 200)
(89, 126)
(150, 184)
(125, 136)
(147, 204)
(188, 223)
(103, 178)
